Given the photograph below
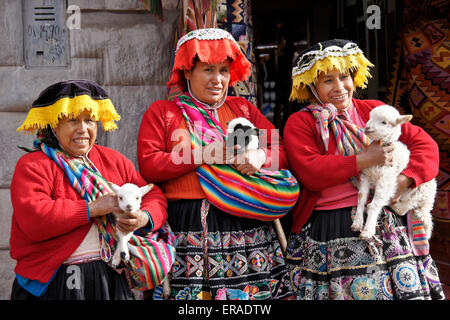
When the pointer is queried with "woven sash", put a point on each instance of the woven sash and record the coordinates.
(151, 254)
(350, 139)
(266, 195)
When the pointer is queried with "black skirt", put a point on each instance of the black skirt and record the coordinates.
(327, 260)
(243, 257)
(85, 281)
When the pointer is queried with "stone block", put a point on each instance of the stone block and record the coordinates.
(131, 102)
(5, 218)
(9, 140)
(143, 58)
(19, 87)
(88, 4)
(11, 36)
(7, 274)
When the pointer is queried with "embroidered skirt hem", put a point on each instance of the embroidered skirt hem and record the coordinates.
(327, 260)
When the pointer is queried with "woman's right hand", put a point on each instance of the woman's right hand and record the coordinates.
(375, 155)
(217, 153)
(102, 206)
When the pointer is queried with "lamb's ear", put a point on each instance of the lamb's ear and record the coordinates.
(146, 189)
(404, 119)
(114, 187)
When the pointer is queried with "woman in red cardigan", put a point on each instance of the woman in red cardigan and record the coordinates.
(55, 237)
(327, 149)
(237, 258)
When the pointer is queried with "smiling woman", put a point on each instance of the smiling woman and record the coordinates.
(328, 149)
(61, 199)
(207, 62)
(77, 135)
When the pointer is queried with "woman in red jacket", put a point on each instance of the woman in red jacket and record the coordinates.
(326, 150)
(58, 194)
(237, 258)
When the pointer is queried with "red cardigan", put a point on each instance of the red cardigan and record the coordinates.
(316, 169)
(154, 144)
(50, 219)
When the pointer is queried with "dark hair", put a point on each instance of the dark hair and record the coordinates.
(47, 136)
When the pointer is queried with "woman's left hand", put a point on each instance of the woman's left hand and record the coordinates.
(250, 161)
(129, 222)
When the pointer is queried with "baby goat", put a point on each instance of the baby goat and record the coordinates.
(242, 132)
(129, 197)
(383, 126)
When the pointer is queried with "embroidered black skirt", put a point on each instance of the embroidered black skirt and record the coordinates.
(243, 257)
(85, 281)
(327, 260)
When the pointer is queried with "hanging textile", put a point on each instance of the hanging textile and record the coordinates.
(420, 82)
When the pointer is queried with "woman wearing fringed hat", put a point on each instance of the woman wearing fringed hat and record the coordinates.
(62, 237)
(327, 149)
(219, 255)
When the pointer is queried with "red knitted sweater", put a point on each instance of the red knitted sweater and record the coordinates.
(154, 145)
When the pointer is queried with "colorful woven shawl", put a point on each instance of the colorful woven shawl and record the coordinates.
(350, 139)
(266, 195)
(151, 254)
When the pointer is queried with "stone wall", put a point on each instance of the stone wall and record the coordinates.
(121, 46)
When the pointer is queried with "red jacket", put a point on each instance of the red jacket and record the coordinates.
(154, 144)
(316, 169)
(50, 219)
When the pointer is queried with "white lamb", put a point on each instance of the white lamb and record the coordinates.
(129, 197)
(384, 126)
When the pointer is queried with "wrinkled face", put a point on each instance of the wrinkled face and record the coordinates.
(77, 135)
(209, 82)
(336, 88)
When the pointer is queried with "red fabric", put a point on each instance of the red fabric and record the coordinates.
(212, 52)
(316, 169)
(50, 219)
(154, 144)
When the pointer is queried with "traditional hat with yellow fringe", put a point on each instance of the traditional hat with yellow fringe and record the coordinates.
(210, 45)
(70, 98)
(337, 54)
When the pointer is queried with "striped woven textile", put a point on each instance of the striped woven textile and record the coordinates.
(350, 138)
(417, 235)
(266, 195)
(151, 254)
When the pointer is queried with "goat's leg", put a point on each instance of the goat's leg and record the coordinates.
(364, 187)
(116, 257)
(166, 287)
(124, 251)
(381, 198)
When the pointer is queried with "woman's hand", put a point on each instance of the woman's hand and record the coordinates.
(129, 222)
(375, 155)
(104, 205)
(216, 153)
(250, 161)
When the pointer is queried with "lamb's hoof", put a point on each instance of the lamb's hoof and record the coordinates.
(115, 261)
(125, 256)
(357, 226)
(366, 235)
